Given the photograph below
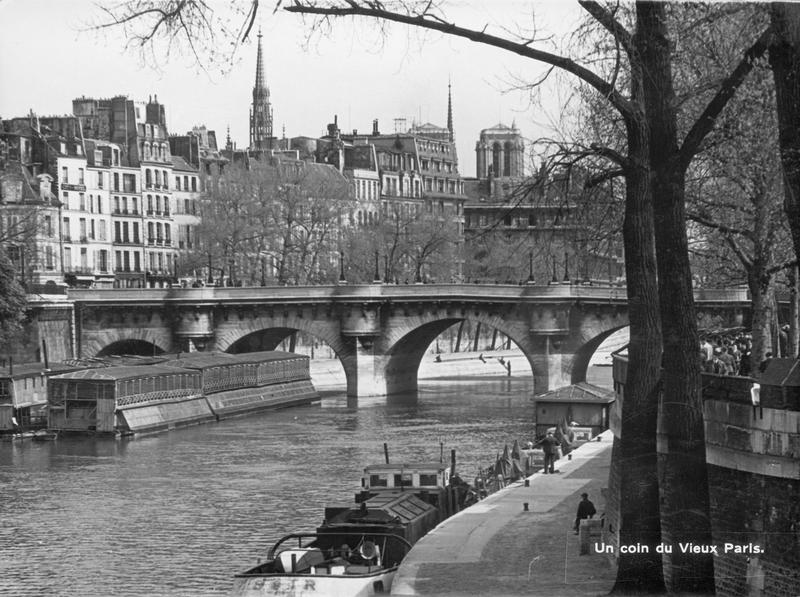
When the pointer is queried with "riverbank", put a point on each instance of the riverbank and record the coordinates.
(496, 547)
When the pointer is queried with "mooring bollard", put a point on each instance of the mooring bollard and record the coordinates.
(525, 506)
(527, 482)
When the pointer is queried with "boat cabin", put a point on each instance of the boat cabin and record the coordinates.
(95, 399)
(23, 395)
(415, 477)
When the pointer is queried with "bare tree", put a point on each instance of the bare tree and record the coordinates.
(655, 163)
(274, 221)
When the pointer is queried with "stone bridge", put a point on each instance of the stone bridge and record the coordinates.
(379, 332)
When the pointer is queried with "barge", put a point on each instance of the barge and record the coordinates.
(357, 550)
(162, 393)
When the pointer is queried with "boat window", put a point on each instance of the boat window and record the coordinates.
(429, 480)
(378, 481)
(403, 480)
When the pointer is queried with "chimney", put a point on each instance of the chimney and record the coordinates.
(375, 127)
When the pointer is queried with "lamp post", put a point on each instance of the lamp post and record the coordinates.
(530, 268)
(377, 277)
(566, 267)
(342, 279)
(210, 272)
(555, 277)
(386, 269)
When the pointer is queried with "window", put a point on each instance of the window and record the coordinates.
(136, 263)
(67, 258)
(129, 183)
(150, 235)
(82, 229)
(136, 232)
(127, 260)
(64, 175)
(48, 226)
(125, 236)
(177, 183)
(378, 481)
(99, 180)
(118, 259)
(117, 236)
(66, 231)
(102, 229)
(134, 206)
(116, 181)
(80, 176)
(81, 202)
(84, 259)
(49, 257)
(194, 183)
(65, 199)
(102, 260)
(116, 205)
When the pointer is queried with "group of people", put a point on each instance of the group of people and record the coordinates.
(727, 354)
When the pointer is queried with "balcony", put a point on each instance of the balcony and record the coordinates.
(84, 239)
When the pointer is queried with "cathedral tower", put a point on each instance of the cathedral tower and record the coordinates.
(260, 112)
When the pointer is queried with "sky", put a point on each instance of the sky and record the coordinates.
(48, 57)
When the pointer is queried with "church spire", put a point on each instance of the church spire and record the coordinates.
(450, 111)
(260, 111)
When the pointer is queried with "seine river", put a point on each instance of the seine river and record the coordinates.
(179, 513)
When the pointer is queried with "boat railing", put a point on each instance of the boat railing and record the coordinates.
(311, 537)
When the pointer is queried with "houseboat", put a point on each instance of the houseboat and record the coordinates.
(236, 384)
(357, 549)
(134, 395)
(23, 397)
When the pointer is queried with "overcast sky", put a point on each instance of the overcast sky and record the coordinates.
(46, 60)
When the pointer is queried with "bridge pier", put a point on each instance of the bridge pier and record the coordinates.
(364, 369)
(551, 367)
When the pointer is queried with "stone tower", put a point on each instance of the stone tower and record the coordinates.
(260, 112)
(500, 152)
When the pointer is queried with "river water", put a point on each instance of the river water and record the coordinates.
(179, 513)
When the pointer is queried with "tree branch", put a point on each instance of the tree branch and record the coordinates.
(705, 123)
(376, 10)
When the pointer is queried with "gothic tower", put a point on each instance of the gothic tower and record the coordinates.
(260, 112)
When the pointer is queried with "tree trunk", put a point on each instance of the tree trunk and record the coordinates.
(637, 457)
(794, 312)
(761, 300)
(784, 58)
(683, 476)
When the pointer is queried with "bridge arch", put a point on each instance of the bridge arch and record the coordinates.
(267, 332)
(584, 354)
(112, 341)
(405, 345)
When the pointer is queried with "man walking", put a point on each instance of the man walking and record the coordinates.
(586, 509)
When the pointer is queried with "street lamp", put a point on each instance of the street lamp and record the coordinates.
(377, 278)
(566, 267)
(555, 276)
(530, 264)
(342, 279)
(386, 269)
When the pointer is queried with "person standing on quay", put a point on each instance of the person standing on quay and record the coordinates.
(550, 447)
(586, 510)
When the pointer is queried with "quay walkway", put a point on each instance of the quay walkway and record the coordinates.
(496, 547)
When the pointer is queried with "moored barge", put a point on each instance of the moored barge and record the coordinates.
(166, 392)
(357, 550)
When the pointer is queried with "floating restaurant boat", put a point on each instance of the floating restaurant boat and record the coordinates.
(357, 550)
(161, 393)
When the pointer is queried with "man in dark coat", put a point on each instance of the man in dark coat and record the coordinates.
(586, 509)
(550, 448)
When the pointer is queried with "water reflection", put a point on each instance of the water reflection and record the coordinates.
(179, 513)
